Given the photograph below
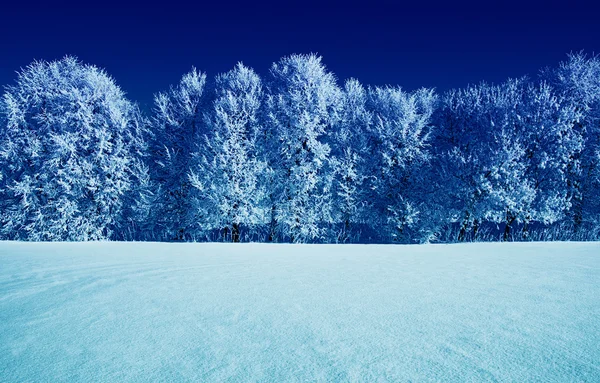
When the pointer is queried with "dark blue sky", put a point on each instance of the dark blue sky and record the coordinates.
(443, 45)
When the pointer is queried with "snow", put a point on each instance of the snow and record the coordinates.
(125, 312)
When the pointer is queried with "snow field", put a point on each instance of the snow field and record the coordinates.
(139, 312)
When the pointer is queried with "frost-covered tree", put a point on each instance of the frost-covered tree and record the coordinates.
(70, 154)
(303, 161)
(509, 192)
(578, 81)
(547, 123)
(504, 155)
(350, 162)
(228, 171)
(138, 202)
(398, 139)
(302, 106)
(481, 156)
(177, 122)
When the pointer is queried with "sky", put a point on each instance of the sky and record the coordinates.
(444, 45)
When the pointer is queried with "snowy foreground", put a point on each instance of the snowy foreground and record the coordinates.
(147, 312)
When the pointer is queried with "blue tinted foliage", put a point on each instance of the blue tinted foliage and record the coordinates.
(298, 157)
(176, 122)
(228, 168)
(71, 147)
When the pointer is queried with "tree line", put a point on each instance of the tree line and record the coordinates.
(298, 157)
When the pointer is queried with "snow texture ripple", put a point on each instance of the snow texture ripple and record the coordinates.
(143, 312)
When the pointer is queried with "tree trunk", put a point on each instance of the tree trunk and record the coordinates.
(272, 225)
(475, 229)
(525, 234)
(346, 230)
(464, 227)
(577, 215)
(235, 233)
(226, 234)
(509, 221)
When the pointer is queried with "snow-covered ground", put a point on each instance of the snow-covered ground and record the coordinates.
(148, 312)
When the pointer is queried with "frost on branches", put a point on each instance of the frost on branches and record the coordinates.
(228, 169)
(70, 152)
(295, 157)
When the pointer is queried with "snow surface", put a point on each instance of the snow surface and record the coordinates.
(124, 312)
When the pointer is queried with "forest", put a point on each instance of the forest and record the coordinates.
(296, 156)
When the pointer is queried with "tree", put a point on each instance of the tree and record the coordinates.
(302, 106)
(71, 148)
(547, 123)
(176, 123)
(398, 139)
(577, 81)
(505, 151)
(350, 162)
(228, 172)
(481, 156)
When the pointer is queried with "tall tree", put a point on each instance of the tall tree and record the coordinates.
(505, 151)
(551, 140)
(398, 139)
(350, 163)
(578, 81)
(482, 156)
(229, 170)
(70, 153)
(302, 108)
(176, 123)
